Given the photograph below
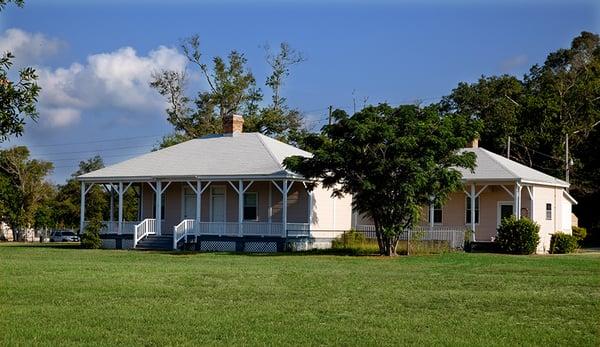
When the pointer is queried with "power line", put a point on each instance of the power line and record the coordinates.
(538, 152)
(94, 141)
(90, 151)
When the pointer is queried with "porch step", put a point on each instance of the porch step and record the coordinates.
(153, 242)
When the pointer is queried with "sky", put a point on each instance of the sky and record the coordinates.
(95, 58)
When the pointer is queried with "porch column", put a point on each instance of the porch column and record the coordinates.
(240, 207)
(120, 192)
(473, 197)
(310, 208)
(112, 209)
(284, 207)
(198, 204)
(431, 212)
(157, 215)
(517, 201)
(82, 209)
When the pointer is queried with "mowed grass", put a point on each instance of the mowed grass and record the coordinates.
(64, 296)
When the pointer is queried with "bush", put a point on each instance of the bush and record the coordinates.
(580, 233)
(562, 243)
(355, 243)
(91, 237)
(518, 236)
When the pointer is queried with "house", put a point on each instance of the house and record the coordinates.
(227, 192)
(498, 188)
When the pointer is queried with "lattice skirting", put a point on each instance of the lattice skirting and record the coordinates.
(260, 247)
(217, 246)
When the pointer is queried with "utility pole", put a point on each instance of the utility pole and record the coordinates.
(508, 149)
(330, 111)
(567, 157)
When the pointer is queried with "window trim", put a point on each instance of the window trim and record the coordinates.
(244, 219)
(438, 207)
(477, 210)
(549, 211)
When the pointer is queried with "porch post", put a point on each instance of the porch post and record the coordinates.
(82, 209)
(120, 229)
(112, 209)
(431, 212)
(310, 209)
(285, 206)
(158, 204)
(473, 197)
(198, 204)
(240, 207)
(517, 201)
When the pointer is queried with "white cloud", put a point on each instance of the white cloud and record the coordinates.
(28, 47)
(117, 80)
(513, 62)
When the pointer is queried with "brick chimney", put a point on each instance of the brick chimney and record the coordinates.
(474, 143)
(233, 125)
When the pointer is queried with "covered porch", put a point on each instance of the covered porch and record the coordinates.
(220, 207)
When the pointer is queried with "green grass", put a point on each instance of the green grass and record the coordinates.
(63, 296)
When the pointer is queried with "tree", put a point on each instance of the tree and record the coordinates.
(392, 160)
(17, 98)
(22, 188)
(231, 90)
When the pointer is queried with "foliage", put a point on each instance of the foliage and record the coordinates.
(392, 161)
(231, 90)
(562, 243)
(518, 236)
(355, 243)
(580, 233)
(556, 99)
(22, 188)
(18, 98)
(91, 237)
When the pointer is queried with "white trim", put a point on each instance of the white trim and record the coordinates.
(466, 209)
(507, 190)
(481, 191)
(498, 205)
(569, 197)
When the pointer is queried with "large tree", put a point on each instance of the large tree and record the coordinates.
(22, 188)
(231, 89)
(555, 103)
(393, 161)
(17, 98)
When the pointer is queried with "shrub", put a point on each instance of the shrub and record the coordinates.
(562, 243)
(91, 237)
(580, 233)
(518, 236)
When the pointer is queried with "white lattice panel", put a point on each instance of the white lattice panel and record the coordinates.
(260, 247)
(217, 246)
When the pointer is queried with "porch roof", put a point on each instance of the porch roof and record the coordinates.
(494, 167)
(241, 155)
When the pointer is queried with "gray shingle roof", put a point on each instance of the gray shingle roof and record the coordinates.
(240, 155)
(494, 167)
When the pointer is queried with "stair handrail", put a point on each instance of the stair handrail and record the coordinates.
(145, 228)
(180, 231)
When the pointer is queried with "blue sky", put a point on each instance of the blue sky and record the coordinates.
(95, 57)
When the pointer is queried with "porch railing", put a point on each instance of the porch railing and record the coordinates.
(247, 229)
(145, 228)
(181, 230)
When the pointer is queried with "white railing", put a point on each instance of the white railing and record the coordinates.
(262, 229)
(298, 229)
(181, 230)
(109, 227)
(218, 228)
(247, 229)
(145, 228)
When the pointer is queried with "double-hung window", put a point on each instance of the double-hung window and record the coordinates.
(251, 206)
(468, 216)
(437, 214)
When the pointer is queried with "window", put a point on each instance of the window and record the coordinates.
(162, 207)
(548, 211)
(250, 206)
(437, 214)
(189, 203)
(468, 216)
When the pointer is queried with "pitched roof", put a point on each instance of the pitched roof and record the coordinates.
(240, 155)
(494, 167)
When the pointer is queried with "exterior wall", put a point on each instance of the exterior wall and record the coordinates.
(329, 213)
(560, 219)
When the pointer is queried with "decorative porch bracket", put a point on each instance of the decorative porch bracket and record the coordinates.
(240, 190)
(284, 190)
(198, 189)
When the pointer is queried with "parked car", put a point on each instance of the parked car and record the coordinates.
(63, 236)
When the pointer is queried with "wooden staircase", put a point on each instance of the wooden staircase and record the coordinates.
(154, 242)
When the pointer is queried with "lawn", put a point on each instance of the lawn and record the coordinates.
(57, 296)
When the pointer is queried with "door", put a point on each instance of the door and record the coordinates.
(505, 210)
(217, 204)
(189, 204)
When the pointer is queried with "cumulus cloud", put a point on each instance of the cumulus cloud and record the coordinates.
(117, 80)
(28, 47)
